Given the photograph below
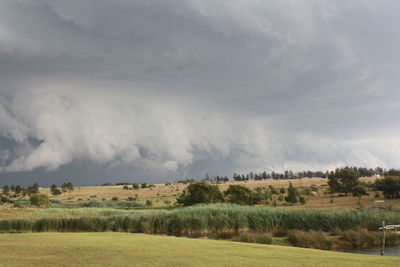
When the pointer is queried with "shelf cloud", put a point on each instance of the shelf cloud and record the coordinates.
(156, 90)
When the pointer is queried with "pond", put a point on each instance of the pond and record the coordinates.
(392, 251)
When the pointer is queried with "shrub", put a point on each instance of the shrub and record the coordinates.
(311, 239)
(360, 238)
(114, 199)
(238, 194)
(40, 200)
(246, 237)
(149, 203)
(264, 238)
(302, 200)
(281, 198)
(292, 194)
(200, 193)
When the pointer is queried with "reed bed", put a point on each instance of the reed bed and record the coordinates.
(197, 220)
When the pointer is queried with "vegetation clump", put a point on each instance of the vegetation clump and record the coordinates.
(40, 200)
(200, 193)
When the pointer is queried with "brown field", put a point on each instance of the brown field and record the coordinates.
(162, 192)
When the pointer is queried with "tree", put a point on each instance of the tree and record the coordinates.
(40, 200)
(18, 190)
(70, 187)
(6, 190)
(343, 180)
(238, 194)
(33, 189)
(292, 196)
(282, 190)
(392, 172)
(302, 200)
(149, 203)
(135, 186)
(53, 187)
(359, 190)
(64, 188)
(54, 190)
(200, 192)
(390, 186)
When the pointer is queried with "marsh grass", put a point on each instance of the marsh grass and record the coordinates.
(197, 220)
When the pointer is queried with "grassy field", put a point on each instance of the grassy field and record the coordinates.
(163, 195)
(119, 249)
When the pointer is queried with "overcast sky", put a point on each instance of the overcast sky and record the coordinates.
(159, 90)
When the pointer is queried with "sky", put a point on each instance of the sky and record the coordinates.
(101, 91)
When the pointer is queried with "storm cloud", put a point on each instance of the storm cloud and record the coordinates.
(97, 90)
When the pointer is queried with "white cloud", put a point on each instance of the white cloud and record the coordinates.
(180, 87)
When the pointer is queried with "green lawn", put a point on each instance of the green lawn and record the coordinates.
(122, 249)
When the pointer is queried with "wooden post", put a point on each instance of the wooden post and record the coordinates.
(383, 238)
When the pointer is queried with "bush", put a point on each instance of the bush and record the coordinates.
(311, 239)
(281, 198)
(40, 200)
(200, 193)
(238, 194)
(264, 238)
(114, 199)
(360, 238)
(302, 200)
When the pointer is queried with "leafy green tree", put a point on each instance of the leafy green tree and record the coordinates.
(40, 200)
(359, 190)
(343, 180)
(238, 194)
(200, 192)
(293, 195)
(390, 186)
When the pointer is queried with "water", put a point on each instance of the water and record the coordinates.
(392, 251)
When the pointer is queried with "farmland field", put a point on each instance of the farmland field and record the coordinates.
(121, 249)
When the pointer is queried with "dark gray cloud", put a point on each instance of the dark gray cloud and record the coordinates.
(158, 89)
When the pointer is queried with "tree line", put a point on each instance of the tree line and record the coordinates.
(289, 174)
(21, 191)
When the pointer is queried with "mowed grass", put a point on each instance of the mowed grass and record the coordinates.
(121, 249)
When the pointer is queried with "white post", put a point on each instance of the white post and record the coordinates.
(383, 238)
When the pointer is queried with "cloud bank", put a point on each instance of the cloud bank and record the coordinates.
(161, 89)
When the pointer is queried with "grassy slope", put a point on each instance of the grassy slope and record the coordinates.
(118, 249)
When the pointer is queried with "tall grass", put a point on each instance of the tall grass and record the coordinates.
(198, 220)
